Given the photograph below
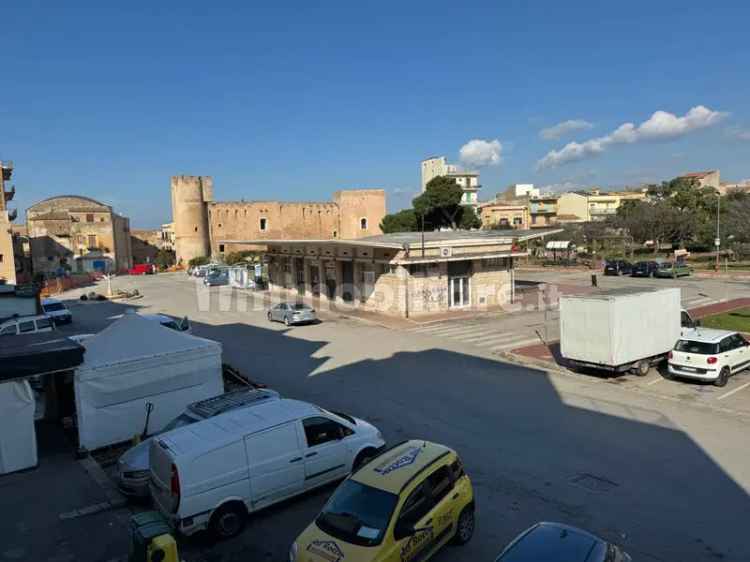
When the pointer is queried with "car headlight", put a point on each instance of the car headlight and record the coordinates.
(293, 552)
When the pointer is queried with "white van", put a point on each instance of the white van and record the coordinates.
(26, 325)
(212, 474)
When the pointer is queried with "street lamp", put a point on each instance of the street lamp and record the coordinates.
(717, 241)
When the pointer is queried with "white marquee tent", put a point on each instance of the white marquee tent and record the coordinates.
(135, 361)
(17, 433)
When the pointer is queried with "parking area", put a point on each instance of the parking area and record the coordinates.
(528, 438)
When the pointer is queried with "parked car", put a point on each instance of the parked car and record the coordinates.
(673, 269)
(216, 278)
(142, 269)
(405, 504)
(645, 268)
(555, 542)
(179, 325)
(57, 311)
(290, 313)
(27, 325)
(617, 267)
(133, 466)
(709, 355)
(214, 473)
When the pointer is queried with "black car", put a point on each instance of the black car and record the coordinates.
(645, 269)
(554, 542)
(617, 267)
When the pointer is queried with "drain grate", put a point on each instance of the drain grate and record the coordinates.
(593, 482)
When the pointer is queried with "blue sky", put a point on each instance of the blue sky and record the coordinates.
(295, 100)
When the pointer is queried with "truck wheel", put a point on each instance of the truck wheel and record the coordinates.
(642, 368)
(228, 521)
(723, 377)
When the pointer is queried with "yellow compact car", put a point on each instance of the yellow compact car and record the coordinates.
(402, 506)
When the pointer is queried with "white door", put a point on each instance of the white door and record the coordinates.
(740, 354)
(459, 291)
(327, 454)
(275, 463)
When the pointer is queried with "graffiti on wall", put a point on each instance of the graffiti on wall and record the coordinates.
(433, 295)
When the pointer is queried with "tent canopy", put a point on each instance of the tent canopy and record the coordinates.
(34, 354)
(17, 433)
(136, 361)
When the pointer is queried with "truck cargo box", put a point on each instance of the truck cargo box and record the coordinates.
(618, 327)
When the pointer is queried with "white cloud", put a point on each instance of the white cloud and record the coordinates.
(660, 126)
(564, 128)
(478, 153)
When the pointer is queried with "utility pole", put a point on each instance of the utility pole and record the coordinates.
(717, 242)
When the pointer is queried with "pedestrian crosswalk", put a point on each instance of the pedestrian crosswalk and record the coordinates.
(483, 335)
(698, 301)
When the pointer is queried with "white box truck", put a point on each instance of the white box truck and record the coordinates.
(626, 329)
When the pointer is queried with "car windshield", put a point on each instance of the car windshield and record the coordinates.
(180, 421)
(357, 513)
(697, 347)
(171, 324)
(53, 307)
(301, 307)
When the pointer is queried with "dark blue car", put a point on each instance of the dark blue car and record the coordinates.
(645, 269)
(555, 542)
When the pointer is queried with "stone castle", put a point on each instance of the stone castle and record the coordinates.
(204, 227)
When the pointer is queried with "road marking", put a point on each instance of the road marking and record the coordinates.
(455, 330)
(496, 338)
(654, 381)
(443, 328)
(515, 344)
(728, 394)
(472, 335)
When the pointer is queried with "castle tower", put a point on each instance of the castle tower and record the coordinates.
(190, 198)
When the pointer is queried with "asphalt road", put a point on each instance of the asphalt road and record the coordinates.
(667, 480)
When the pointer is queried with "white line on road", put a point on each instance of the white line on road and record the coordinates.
(496, 338)
(515, 344)
(456, 330)
(736, 390)
(654, 381)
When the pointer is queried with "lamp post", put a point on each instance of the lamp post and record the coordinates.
(717, 242)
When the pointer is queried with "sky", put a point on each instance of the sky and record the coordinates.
(294, 100)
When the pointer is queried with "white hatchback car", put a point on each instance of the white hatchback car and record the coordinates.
(709, 355)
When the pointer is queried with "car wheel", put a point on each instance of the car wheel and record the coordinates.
(723, 377)
(286, 321)
(362, 459)
(642, 368)
(465, 526)
(228, 521)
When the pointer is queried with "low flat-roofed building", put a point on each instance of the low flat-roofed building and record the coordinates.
(402, 274)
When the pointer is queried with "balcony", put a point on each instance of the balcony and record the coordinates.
(7, 167)
(9, 194)
(603, 211)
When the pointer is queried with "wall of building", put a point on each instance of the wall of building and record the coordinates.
(357, 204)
(573, 204)
(145, 244)
(505, 216)
(432, 168)
(7, 261)
(190, 195)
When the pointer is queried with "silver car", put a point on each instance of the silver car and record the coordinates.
(291, 313)
(133, 466)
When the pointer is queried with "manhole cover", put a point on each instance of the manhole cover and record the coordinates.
(593, 482)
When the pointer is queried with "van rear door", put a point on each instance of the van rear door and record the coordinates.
(275, 463)
(161, 463)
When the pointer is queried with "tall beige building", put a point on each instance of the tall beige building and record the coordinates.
(468, 181)
(7, 260)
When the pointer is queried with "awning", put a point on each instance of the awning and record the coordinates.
(37, 354)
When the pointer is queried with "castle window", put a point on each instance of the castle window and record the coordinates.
(196, 229)
(334, 234)
(90, 218)
(363, 223)
(263, 223)
(221, 248)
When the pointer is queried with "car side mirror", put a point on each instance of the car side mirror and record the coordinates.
(697, 323)
(403, 529)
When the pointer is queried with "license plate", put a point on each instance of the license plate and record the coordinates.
(689, 369)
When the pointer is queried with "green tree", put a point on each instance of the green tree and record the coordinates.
(200, 260)
(469, 219)
(403, 221)
(164, 259)
(440, 204)
(239, 257)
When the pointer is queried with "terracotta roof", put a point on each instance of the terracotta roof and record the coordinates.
(698, 175)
